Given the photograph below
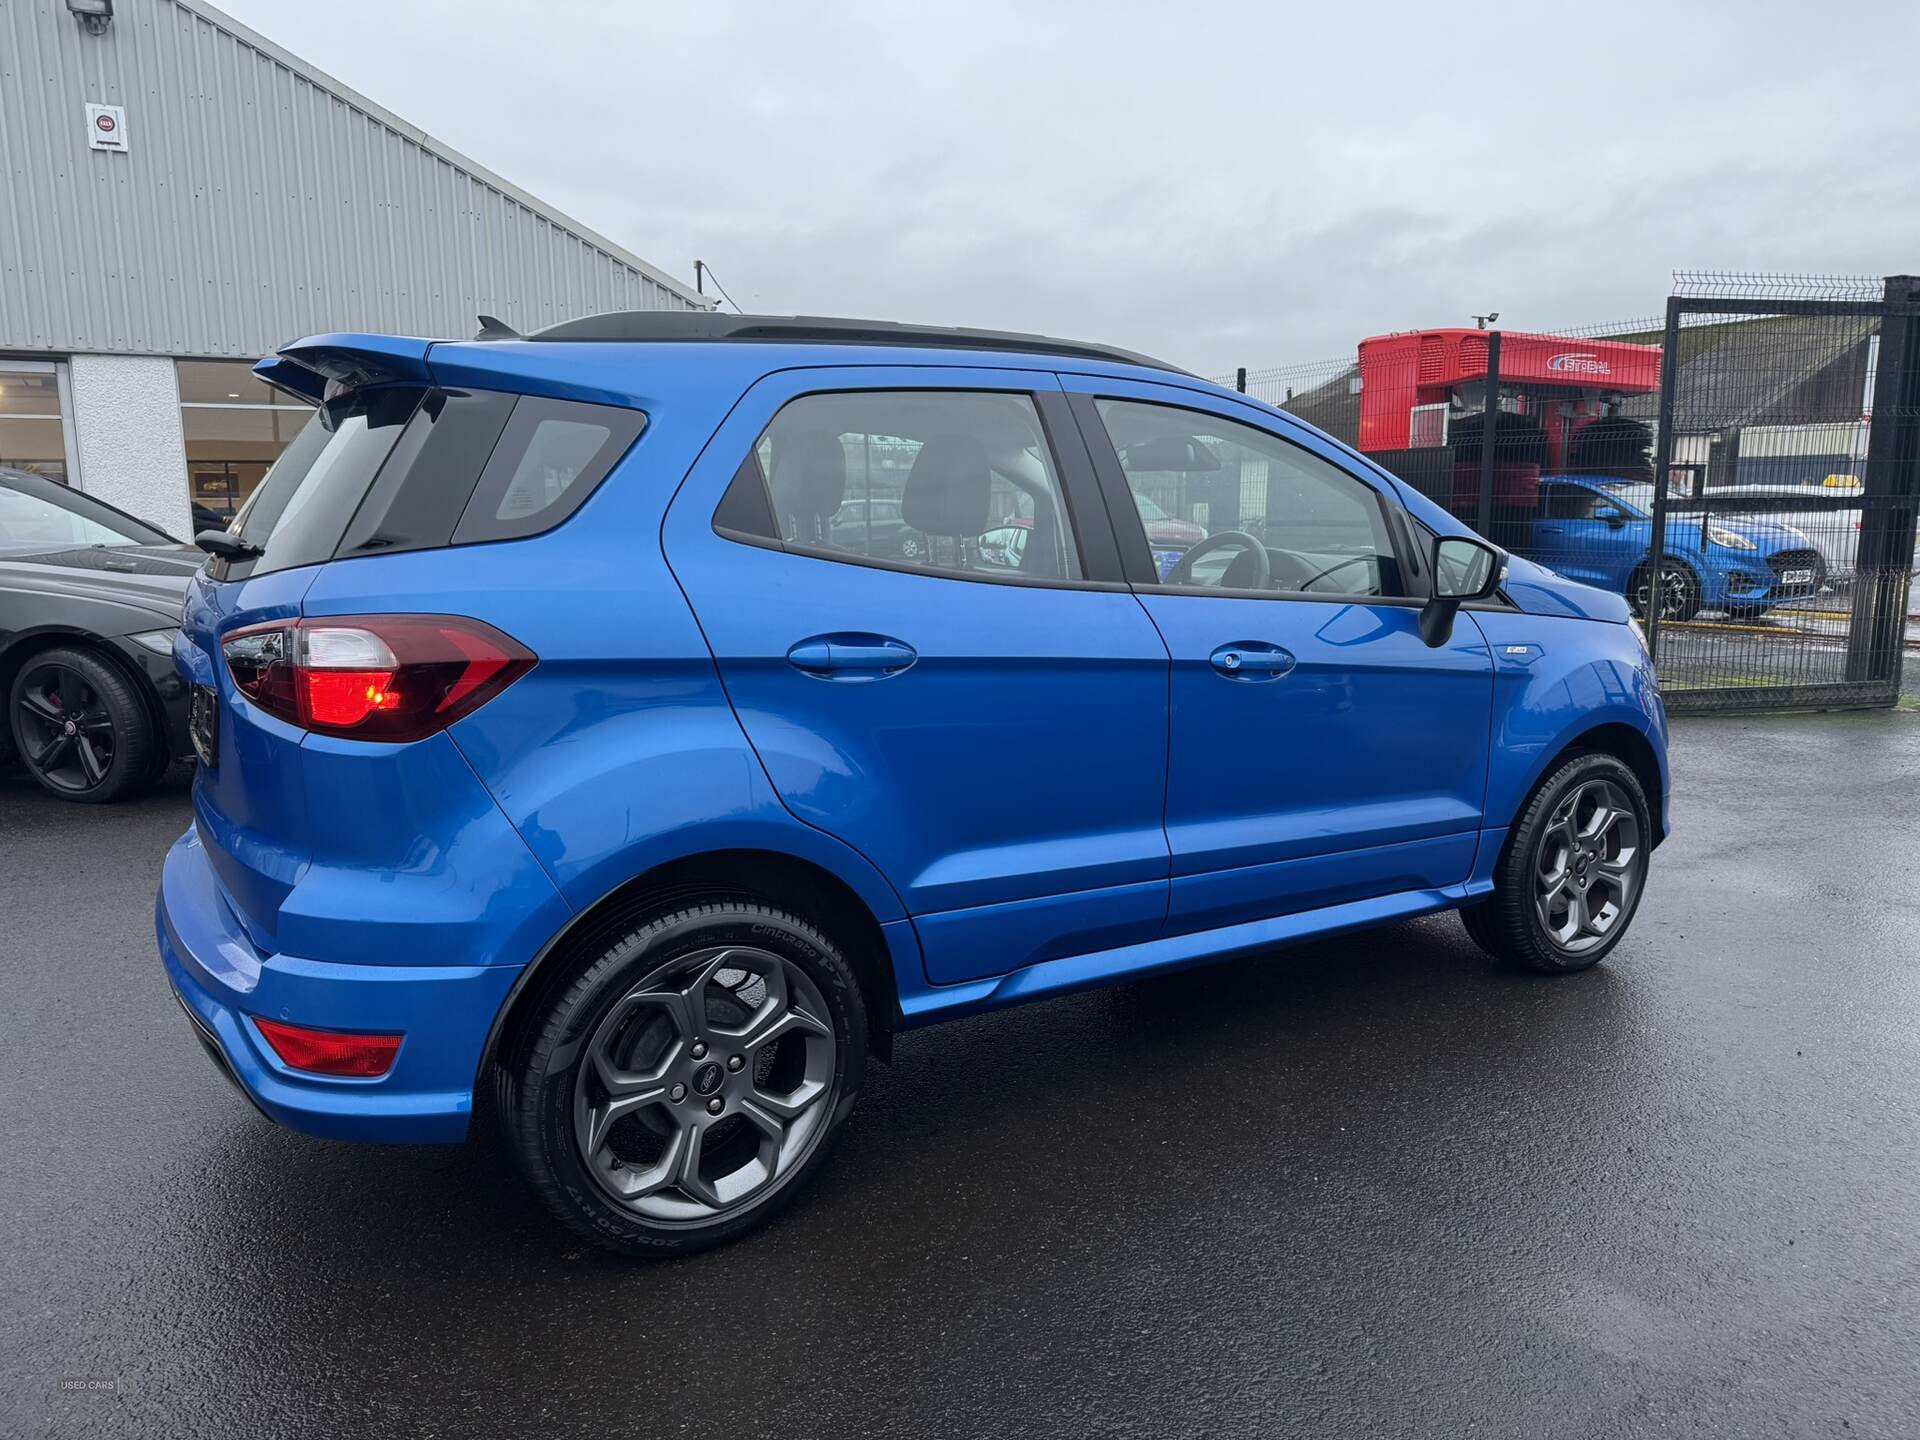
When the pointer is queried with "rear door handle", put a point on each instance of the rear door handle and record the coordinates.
(852, 656)
(1252, 660)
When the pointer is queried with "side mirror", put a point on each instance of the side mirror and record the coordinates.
(1615, 519)
(1464, 568)
(1178, 454)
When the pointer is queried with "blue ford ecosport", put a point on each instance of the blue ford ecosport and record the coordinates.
(576, 729)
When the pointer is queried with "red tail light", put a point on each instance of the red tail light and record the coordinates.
(374, 677)
(330, 1052)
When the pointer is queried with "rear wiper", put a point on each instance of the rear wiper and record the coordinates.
(227, 545)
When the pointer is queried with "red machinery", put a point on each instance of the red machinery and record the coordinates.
(1412, 384)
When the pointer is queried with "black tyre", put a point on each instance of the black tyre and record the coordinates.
(80, 728)
(1679, 591)
(677, 1088)
(1570, 879)
(1747, 612)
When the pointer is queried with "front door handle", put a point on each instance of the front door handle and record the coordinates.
(1252, 660)
(852, 656)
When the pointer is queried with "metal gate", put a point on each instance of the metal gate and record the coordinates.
(1782, 561)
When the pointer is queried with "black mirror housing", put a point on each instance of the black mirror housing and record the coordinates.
(1177, 454)
(1465, 568)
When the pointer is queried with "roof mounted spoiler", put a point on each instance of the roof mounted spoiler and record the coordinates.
(306, 368)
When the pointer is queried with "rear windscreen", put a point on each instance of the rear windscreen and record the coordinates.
(301, 509)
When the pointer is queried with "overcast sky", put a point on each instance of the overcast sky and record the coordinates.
(1219, 184)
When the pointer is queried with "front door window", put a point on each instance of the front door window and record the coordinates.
(1226, 506)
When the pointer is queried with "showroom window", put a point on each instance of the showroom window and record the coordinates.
(235, 428)
(34, 434)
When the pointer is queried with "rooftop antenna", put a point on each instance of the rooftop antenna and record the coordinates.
(494, 328)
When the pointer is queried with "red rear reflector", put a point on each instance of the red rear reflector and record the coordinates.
(330, 1052)
(374, 677)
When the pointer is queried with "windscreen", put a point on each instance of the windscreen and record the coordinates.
(37, 514)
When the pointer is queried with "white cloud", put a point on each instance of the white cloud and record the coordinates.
(1216, 183)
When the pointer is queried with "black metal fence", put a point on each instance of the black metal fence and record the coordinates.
(1788, 425)
(1775, 565)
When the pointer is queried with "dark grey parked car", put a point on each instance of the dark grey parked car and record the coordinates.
(89, 603)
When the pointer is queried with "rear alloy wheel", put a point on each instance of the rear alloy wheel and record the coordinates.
(80, 729)
(1571, 877)
(1679, 592)
(685, 1083)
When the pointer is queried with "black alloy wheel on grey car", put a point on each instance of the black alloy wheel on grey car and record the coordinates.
(1573, 870)
(80, 728)
(675, 1086)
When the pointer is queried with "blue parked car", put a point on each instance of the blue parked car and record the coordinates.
(560, 752)
(1600, 530)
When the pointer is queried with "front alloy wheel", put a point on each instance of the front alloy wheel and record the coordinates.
(1587, 873)
(1572, 872)
(1679, 592)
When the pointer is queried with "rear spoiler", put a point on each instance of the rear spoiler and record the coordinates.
(307, 367)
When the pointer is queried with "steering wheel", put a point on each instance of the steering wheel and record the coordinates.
(1182, 572)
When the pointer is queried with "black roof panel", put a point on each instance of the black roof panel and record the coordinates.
(825, 330)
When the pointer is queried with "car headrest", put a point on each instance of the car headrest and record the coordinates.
(949, 488)
(809, 478)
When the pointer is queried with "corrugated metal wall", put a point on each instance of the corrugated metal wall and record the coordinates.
(253, 206)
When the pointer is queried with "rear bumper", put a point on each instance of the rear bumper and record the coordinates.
(222, 981)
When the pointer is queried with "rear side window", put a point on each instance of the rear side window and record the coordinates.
(549, 459)
(952, 482)
(1568, 502)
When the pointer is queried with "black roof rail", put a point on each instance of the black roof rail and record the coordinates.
(692, 325)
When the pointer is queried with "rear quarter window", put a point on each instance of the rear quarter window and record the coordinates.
(550, 457)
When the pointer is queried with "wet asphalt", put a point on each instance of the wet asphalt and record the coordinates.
(1368, 1187)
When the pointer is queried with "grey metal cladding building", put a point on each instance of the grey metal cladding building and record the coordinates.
(183, 196)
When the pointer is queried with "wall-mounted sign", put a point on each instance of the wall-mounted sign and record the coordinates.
(107, 127)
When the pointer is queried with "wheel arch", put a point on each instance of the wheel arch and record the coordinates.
(803, 887)
(23, 646)
(1627, 744)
